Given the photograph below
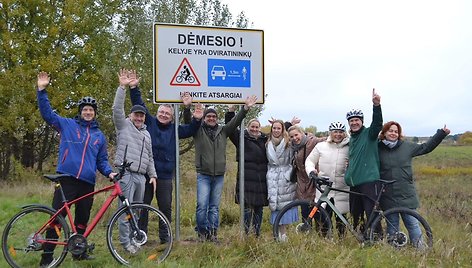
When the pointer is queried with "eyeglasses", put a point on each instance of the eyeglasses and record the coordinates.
(210, 116)
(164, 113)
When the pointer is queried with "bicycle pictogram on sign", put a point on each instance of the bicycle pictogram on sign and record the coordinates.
(185, 75)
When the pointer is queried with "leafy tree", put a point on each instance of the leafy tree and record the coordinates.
(81, 44)
(68, 39)
(465, 138)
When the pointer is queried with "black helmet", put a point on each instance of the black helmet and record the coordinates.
(87, 101)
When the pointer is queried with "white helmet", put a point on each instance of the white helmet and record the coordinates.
(337, 126)
(354, 113)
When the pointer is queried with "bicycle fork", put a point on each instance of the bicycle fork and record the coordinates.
(132, 219)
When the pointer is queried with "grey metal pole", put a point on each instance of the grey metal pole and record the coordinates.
(177, 173)
(241, 174)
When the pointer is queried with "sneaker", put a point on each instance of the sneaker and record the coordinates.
(420, 245)
(283, 237)
(131, 249)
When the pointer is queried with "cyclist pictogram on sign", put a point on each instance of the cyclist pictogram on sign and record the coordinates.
(185, 75)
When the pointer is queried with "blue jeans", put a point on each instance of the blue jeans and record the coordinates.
(209, 189)
(411, 224)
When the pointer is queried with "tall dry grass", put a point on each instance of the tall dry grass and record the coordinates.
(445, 189)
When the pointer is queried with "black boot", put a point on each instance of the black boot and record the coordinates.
(203, 235)
(46, 259)
(213, 236)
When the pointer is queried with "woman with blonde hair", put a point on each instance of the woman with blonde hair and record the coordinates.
(281, 190)
(329, 159)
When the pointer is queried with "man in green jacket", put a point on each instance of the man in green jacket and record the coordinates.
(210, 163)
(362, 173)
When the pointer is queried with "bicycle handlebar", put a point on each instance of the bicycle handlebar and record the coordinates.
(123, 167)
(319, 181)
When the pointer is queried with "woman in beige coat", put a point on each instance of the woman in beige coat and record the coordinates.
(302, 145)
(329, 159)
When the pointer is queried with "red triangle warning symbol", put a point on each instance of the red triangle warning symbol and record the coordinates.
(185, 75)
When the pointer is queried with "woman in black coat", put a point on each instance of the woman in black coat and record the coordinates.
(255, 169)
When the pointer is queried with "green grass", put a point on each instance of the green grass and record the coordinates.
(446, 202)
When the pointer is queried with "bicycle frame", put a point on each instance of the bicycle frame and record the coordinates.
(116, 192)
(325, 199)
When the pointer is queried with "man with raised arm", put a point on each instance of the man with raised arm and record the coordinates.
(82, 151)
(162, 130)
(210, 163)
(362, 173)
(132, 138)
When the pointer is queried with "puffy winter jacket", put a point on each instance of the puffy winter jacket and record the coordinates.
(136, 141)
(83, 147)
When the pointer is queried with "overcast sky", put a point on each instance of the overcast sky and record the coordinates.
(322, 59)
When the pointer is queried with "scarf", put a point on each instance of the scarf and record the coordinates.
(253, 136)
(210, 130)
(390, 144)
(296, 147)
(276, 141)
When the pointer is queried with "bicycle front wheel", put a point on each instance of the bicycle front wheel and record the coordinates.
(290, 224)
(25, 238)
(132, 244)
(401, 227)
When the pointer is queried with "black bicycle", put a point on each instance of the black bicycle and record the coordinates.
(379, 227)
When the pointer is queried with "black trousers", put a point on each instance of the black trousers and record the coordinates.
(360, 204)
(164, 203)
(73, 188)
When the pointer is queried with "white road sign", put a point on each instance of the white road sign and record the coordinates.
(216, 65)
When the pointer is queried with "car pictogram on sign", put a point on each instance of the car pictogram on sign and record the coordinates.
(218, 71)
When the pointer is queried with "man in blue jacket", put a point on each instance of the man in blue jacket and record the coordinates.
(162, 130)
(82, 150)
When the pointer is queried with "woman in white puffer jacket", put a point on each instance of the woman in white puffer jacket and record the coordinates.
(329, 159)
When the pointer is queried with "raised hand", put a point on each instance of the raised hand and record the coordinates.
(123, 78)
(43, 80)
(446, 130)
(295, 120)
(250, 101)
(375, 98)
(231, 107)
(133, 78)
(198, 113)
(186, 99)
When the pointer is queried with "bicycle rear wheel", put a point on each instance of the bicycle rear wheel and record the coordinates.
(412, 229)
(148, 246)
(319, 226)
(23, 243)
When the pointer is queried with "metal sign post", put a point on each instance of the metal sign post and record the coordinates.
(241, 175)
(177, 173)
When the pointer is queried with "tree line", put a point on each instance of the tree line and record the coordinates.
(81, 44)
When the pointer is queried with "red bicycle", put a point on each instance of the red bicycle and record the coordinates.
(24, 238)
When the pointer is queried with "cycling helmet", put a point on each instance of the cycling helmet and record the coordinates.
(337, 126)
(354, 113)
(87, 101)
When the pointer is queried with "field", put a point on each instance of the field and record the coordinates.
(445, 188)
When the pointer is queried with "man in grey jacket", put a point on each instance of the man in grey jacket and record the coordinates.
(132, 134)
(210, 163)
